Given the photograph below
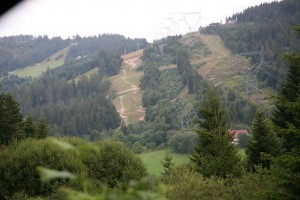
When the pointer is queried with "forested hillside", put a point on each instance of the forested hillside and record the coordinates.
(72, 98)
(269, 26)
(109, 42)
(24, 50)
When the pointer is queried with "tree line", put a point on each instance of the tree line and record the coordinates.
(25, 50)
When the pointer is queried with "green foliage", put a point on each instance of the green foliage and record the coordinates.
(42, 129)
(268, 24)
(285, 168)
(153, 160)
(28, 127)
(108, 63)
(144, 188)
(214, 154)
(10, 118)
(114, 165)
(167, 164)
(188, 184)
(137, 147)
(70, 108)
(287, 113)
(24, 50)
(108, 42)
(286, 174)
(184, 183)
(18, 172)
(263, 139)
(182, 142)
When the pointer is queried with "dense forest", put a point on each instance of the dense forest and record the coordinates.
(24, 50)
(118, 44)
(70, 102)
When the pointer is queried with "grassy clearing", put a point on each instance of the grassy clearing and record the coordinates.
(37, 69)
(153, 159)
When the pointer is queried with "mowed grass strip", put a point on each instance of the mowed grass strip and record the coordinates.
(37, 69)
(153, 160)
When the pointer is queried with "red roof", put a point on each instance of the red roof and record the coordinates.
(235, 133)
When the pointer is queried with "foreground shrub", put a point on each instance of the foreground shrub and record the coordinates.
(19, 162)
(113, 164)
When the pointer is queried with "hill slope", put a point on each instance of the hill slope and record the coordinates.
(128, 99)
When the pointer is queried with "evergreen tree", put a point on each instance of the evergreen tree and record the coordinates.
(263, 139)
(285, 169)
(167, 163)
(290, 92)
(10, 118)
(42, 129)
(29, 128)
(287, 112)
(215, 155)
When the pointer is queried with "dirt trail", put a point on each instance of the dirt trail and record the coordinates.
(220, 64)
(218, 51)
(126, 85)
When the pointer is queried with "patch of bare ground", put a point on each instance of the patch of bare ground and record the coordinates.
(128, 99)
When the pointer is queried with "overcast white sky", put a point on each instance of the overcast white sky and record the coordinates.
(131, 18)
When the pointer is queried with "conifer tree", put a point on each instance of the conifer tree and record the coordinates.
(167, 163)
(29, 128)
(42, 129)
(263, 139)
(285, 168)
(214, 154)
(287, 112)
(10, 118)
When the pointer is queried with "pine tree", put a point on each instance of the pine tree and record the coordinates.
(263, 139)
(42, 129)
(10, 118)
(287, 112)
(167, 163)
(29, 128)
(214, 154)
(285, 169)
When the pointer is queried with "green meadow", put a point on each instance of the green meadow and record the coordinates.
(153, 160)
(55, 60)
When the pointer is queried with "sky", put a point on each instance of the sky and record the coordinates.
(150, 19)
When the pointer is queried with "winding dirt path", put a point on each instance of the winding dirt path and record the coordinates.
(128, 99)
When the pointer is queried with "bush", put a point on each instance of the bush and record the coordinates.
(182, 142)
(137, 147)
(114, 165)
(188, 184)
(18, 173)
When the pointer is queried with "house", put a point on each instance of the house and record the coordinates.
(236, 133)
(232, 21)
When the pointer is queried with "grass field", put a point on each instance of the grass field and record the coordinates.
(37, 69)
(153, 159)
